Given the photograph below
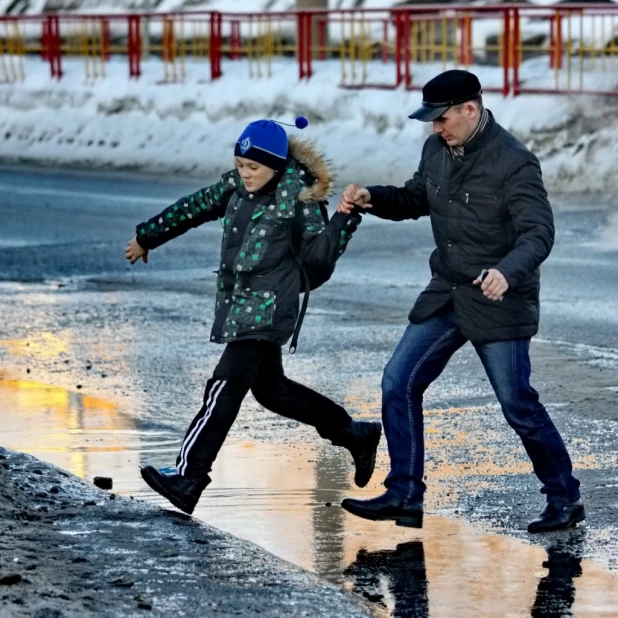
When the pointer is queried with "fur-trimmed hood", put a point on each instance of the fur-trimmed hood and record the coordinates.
(306, 153)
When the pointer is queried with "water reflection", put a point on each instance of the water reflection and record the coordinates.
(86, 435)
(555, 593)
(396, 579)
(331, 474)
(285, 497)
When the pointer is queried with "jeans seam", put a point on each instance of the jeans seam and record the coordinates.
(525, 416)
(410, 417)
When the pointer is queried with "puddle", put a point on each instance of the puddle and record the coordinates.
(285, 497)
(85, 435)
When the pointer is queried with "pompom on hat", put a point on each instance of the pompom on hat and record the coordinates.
(266, 142)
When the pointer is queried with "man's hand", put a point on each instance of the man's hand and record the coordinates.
(134, 252)
(494, 285)
(352, 196)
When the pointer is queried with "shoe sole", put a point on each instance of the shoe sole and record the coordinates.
(377, 435)
(415, 521)
(576, 519)
(154, 484)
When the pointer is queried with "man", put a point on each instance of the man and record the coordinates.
(493, 227)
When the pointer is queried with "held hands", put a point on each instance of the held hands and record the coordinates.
(494, 285)
(134, 252)
(352, 196)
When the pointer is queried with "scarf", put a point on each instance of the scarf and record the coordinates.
(458, 151)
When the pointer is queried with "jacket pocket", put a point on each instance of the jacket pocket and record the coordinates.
(472, 197)
(251, 310)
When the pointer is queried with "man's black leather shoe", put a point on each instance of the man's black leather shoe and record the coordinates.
(182, 492)
(361, 438)
(557, 516)
(387, 507)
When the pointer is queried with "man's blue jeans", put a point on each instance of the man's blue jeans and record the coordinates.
(420, 357)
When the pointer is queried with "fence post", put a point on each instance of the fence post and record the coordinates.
(396, 16)
(465, 52)
(300, 26)
(215, 45)
(53, 47)
(555, 41)
(309, 44)
(506, 51)
(135, 46)
(235, 41)
(305, 33)
(106, 38)
(407, 34)
(552, 41)
(45, 40)
(300, 44)
(385, 42)
(515, 46)
(322, 37)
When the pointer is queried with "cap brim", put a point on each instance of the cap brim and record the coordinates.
(425, 113)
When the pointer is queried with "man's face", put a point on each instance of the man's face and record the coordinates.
(457, 124)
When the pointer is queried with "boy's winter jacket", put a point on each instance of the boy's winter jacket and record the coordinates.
(259, 278)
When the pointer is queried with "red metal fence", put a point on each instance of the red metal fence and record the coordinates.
(564, 48)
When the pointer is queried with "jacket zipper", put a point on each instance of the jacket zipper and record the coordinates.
(433, 184)
(482, 197)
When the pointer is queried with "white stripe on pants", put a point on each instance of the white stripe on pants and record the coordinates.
(189, 441)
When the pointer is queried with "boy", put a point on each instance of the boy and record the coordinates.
(261, 274)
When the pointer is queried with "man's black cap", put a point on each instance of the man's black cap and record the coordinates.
(447, 89)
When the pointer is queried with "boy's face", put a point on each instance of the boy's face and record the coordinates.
(254, 175)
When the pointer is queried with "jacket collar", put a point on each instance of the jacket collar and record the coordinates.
(481, 139)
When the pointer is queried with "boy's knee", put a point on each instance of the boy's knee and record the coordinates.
(265, 392)
(261, 392)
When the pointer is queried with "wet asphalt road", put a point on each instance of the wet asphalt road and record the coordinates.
(69, 300)
(79, 221)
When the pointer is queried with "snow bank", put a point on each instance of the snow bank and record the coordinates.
(191, 127)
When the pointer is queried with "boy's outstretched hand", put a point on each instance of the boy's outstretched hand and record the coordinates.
(134, 252)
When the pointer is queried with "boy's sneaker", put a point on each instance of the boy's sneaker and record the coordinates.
(181, 491)
(361, 438)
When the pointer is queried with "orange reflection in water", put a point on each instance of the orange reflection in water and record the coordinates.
(83, 434)
(275, 494)
(453, 569)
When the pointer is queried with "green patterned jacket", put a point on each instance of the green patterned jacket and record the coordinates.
(259, 280)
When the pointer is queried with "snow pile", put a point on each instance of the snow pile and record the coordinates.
(34, 7)
(191, 127)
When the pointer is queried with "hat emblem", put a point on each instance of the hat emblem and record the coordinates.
(245, 145)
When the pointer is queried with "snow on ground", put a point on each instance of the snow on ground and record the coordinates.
(249, 6)
(191, 127)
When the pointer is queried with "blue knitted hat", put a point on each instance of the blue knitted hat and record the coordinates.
(265, 142)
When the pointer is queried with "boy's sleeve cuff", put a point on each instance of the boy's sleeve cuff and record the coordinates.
(340, 220)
